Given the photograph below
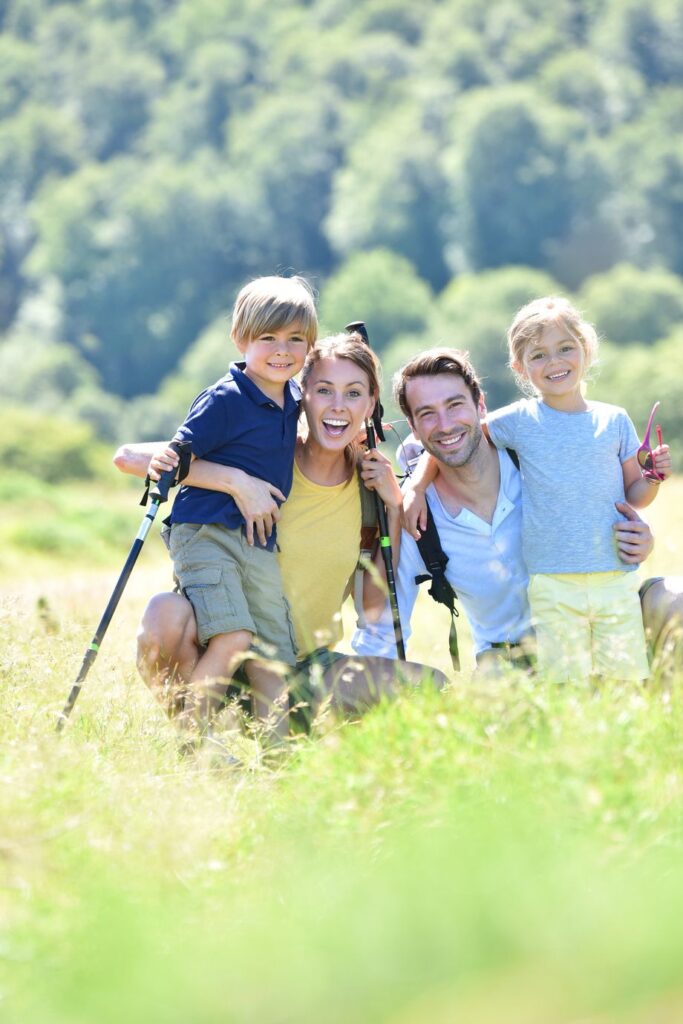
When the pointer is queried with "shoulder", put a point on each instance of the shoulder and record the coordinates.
(605, 413)
(525, 408)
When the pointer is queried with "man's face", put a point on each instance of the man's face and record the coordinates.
(444, 417)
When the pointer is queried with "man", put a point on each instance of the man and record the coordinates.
(476, 503)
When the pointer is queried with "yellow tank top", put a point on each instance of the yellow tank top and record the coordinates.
(319, 540)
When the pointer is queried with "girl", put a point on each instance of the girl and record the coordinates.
(577, 459)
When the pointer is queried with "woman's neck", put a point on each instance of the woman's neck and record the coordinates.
(321, 466)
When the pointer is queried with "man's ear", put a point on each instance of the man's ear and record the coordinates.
(481, 407)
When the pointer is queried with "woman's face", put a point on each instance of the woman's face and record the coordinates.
(336, 401)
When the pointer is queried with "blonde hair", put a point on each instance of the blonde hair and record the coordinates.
(271, 303)
(530, 322)
(352, 347)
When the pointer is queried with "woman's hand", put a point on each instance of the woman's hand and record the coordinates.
(161, 462)
(256, 500)
(634, 537)
(378, 475)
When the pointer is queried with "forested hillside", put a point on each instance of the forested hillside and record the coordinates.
(429, 166)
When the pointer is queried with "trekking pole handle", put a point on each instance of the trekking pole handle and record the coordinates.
(159, 489)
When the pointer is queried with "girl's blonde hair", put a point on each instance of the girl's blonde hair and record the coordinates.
(530, 322)
(271, 303)
(351, 347)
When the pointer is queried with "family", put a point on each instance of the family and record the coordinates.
(266, 530)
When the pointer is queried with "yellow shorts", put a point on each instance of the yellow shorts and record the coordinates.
(588, 624)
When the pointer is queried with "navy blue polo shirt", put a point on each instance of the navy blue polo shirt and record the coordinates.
(234, 424)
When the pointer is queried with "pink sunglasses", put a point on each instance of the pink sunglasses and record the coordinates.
(644, 453)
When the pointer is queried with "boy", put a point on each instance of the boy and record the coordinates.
(248, 420)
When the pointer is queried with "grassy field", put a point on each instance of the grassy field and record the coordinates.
(510, 853)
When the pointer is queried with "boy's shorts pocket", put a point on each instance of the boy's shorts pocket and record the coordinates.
(210, 600)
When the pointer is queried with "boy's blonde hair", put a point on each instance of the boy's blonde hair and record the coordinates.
(271, 303)
(530, 322)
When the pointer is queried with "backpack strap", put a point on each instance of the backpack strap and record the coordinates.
(436, 560)
(368, 536)
(514, 457)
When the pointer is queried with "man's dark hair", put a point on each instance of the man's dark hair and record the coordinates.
(432, 363)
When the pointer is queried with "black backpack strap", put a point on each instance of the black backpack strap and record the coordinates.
(514, 457)
(436, 560)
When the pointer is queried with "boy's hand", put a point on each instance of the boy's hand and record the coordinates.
(661, 458)
(634, 537)
(378, 475)
(161, 462)
(414, 517)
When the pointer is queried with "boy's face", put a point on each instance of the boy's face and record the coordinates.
(274, 357)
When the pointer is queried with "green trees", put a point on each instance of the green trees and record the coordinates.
(155, 154)
(380, 288)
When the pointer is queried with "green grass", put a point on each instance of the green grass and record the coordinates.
(502, 853)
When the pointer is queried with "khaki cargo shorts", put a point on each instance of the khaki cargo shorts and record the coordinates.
(232, 586)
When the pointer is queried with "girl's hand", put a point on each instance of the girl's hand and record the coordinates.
(378, 475)
(661, 458)
(414, 517)
(162, 461)
(634, 537)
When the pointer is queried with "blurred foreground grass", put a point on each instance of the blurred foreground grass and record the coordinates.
(510, 853)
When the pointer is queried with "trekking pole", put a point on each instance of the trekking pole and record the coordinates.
(374, 429)
(158, 494)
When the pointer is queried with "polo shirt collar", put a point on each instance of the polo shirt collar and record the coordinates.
(292, 390)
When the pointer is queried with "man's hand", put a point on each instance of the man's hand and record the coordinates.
(634, 537)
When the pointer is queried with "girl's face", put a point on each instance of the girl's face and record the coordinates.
(555, 364)
(337, 401)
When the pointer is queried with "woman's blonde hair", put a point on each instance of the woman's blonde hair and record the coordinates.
(352, 347)
(271, 303)
(530, 322)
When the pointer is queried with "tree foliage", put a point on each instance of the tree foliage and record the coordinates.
(156, 154)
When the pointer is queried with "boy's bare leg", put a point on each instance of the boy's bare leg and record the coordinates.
(168, 649)
(270, 699)
(212, 674)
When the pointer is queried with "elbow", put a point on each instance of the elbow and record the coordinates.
(121, 459)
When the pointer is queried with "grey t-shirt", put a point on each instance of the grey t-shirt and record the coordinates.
(572, 475)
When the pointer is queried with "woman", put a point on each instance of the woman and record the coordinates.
(319, 537)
